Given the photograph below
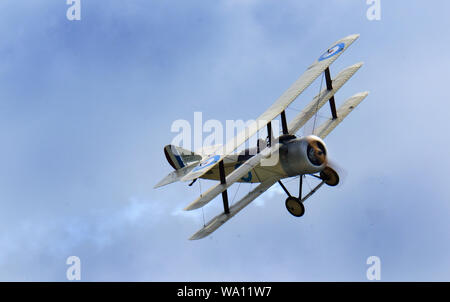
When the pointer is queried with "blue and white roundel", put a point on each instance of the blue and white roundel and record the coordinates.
(249, 175)
(210, 161)
(332, 51)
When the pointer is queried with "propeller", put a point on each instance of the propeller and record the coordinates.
(316, 153)
(338, 169)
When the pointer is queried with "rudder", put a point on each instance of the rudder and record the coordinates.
(178, 157)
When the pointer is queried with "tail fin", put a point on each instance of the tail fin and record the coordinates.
(178, 157)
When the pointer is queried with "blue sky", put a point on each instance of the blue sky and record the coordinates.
(86, 109)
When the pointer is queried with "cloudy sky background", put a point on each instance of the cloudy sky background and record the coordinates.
(86, 108)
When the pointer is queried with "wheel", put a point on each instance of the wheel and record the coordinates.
(330, 176)
(295, 207)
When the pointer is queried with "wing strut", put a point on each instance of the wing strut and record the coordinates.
(330, 87)
(284, 123)
(269, 134)
(226, 207)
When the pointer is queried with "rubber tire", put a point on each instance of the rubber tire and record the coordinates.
(295, 207)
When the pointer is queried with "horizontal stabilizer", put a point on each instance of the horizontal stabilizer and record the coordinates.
(176, 175)
(325, 129)
(219, 220)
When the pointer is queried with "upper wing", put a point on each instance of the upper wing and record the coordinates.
(347, 107)
(313, 71)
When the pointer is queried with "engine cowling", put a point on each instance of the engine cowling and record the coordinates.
(305, 155)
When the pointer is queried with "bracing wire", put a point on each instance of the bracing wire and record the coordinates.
(203, 211)
(235, 193)
(203, 214)
(307, 182)
(317, 104)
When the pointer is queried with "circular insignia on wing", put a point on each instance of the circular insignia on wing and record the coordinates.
(210, 161)
(249, 175)
(332, 51)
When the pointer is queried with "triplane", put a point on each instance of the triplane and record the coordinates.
(294, 156)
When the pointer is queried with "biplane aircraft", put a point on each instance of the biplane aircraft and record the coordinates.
(295, 156)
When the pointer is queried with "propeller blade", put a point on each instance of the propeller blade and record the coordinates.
(342, 172)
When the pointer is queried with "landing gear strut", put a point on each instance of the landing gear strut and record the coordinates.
(295, 205)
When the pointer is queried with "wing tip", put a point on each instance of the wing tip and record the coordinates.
(362, 94)
(192, 206)
(194, 237)
(160, 184)
(200, 234)
(359, 64)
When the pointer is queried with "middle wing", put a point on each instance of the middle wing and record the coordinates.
(313, 71)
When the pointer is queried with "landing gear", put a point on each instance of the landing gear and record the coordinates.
(295, 206)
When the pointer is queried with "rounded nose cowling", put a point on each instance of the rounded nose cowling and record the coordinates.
(316, 152)
(304, 155)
